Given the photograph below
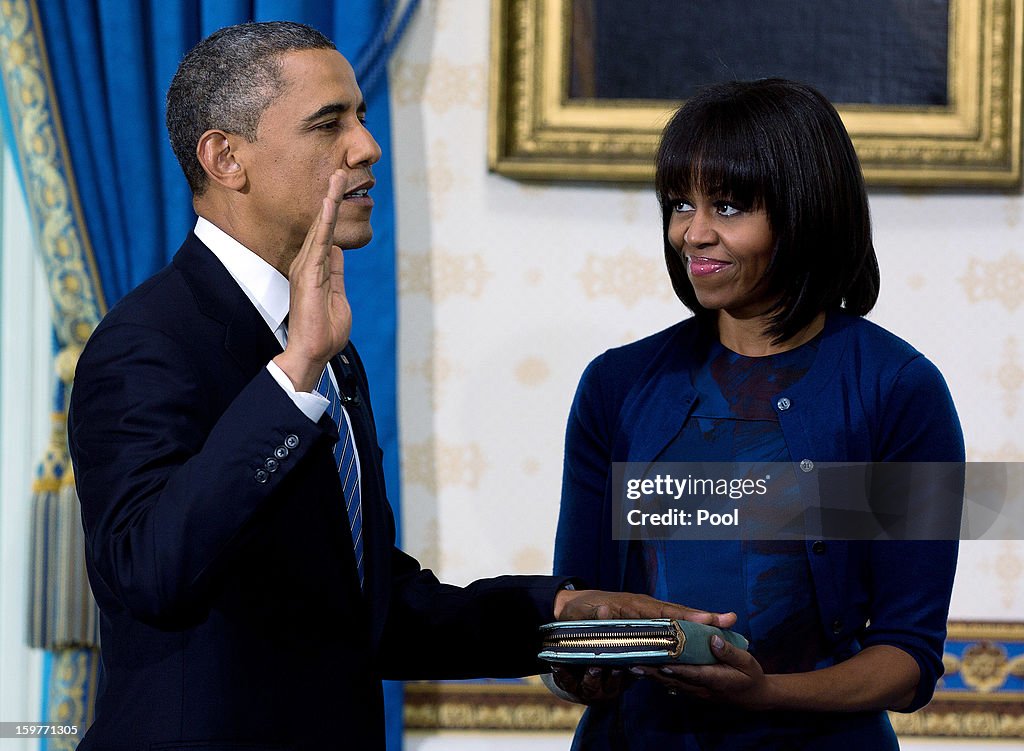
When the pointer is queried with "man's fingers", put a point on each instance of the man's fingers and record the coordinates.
(722, 620)
(320, 235)
(726, 620)
(679, 612)
(648, 607)
(324, 237)
(595, 604)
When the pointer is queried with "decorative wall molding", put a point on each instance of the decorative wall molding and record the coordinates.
(537, 131)
(981, 695)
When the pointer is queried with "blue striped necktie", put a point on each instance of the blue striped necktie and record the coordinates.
(348, 471)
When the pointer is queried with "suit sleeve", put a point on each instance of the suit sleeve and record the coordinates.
(167, 486)
(912, 580)
(436, 630)
(488, 628)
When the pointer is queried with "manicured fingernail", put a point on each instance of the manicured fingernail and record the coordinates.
(636, 671)
(717, 642)
(667, 671)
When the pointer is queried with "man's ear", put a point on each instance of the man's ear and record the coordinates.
(216, 154)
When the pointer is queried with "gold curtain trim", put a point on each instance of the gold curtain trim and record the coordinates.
(72, 695)
(75, 291)
(62, 612)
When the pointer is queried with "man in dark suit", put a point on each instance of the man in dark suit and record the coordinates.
(251, 594)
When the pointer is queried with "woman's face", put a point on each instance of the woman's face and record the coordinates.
(726, 248)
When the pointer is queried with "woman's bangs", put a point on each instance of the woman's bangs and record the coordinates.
(717, 164)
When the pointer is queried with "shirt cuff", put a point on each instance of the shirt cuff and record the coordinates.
(312, 404)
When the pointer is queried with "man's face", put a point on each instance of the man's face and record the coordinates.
(314, 127)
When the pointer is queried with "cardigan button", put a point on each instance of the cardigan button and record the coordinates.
(818, 547)
(837, 626)
(806, 465)
(783, 404)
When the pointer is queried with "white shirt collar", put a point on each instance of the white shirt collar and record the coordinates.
(264, 285)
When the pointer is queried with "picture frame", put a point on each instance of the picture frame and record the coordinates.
(537, 131)
(980, 696)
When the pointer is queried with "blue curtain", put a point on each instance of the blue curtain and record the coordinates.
(85, 82)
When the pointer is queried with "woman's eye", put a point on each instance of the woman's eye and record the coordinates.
(681, 206)
(727, 209)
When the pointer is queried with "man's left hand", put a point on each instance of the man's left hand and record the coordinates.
(594, 604)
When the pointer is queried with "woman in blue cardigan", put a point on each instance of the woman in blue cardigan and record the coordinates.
(768, 242)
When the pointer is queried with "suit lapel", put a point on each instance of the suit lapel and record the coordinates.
(248, 339)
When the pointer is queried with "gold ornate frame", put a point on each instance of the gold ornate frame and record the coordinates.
(981, 695)
(536, 131)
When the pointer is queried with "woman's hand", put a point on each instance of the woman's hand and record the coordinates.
(737, 678)
(880, 677)
(588, 684)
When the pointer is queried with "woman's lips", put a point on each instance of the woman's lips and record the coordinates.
(700, 266)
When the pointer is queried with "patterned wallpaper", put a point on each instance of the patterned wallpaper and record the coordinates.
(508, 289)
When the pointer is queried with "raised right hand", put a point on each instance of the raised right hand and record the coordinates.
(320, 318)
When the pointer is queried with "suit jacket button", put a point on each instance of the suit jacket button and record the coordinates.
(262, 476)
(281, 452)
(271, 465)
(291, 441)
(818, 547)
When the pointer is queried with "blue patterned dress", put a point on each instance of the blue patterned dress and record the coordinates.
(766, 582)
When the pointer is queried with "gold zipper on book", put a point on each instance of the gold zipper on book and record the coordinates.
(671, 639)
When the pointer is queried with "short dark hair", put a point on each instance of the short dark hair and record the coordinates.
(781, 146)
(227, 81)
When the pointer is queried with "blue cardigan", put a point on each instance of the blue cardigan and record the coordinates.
(868, 397)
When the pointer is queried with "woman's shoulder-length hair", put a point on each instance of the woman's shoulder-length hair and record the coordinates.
(781, 146)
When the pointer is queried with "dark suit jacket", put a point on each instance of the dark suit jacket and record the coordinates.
(231, 612)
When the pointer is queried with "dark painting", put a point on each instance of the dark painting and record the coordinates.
(877, 52)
